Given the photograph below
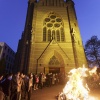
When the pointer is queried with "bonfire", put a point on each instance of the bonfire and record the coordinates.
(76, 87)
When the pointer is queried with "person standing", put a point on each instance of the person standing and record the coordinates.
(13, 87)
(40, 81)
(24, 86)
(43, 80)
(6, 85)
(30, 85)
(2, 95)
(19, 83)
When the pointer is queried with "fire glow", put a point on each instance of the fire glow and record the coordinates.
(76, 88)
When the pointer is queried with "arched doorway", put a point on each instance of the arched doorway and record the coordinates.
(54, 62)
(54, 65)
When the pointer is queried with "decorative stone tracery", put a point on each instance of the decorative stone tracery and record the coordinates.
(53, 28)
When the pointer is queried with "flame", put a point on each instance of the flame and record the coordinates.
(93, 71)
(76, 88)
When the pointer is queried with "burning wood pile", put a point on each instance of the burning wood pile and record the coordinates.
(77, 87)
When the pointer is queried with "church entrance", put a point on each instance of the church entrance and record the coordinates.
(54, 70)
(54, 65)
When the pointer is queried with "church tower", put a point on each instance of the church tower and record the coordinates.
(51, 40)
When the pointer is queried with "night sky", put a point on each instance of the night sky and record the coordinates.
(13, 16)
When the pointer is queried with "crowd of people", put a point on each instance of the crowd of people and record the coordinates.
(20, 86)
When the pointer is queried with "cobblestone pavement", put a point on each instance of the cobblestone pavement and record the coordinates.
(50, 93)
(47, 93)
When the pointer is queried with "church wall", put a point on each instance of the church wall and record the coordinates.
(38, 46)
(68, 53)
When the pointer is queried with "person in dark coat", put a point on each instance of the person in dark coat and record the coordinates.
(13, 87)
(6, 85)
(40, 81)
(24, 86)
(30, 85)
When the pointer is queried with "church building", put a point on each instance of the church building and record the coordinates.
(51, 40)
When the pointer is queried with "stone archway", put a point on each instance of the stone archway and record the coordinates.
(54, 63)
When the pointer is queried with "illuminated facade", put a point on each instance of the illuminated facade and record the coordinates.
(51, 40)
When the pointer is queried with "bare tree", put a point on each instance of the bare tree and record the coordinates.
(92, 50)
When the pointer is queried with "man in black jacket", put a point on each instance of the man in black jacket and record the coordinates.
(6, 85)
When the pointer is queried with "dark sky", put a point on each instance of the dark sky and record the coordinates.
(13, 15)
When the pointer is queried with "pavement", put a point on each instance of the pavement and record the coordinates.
(47, 93)
(50, 93)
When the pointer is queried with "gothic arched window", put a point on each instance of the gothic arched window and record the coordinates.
(58, 35)
(54, 61)
(49, 35)
(62, 35)
(44, 34)
(54, 24)
(53, 35)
